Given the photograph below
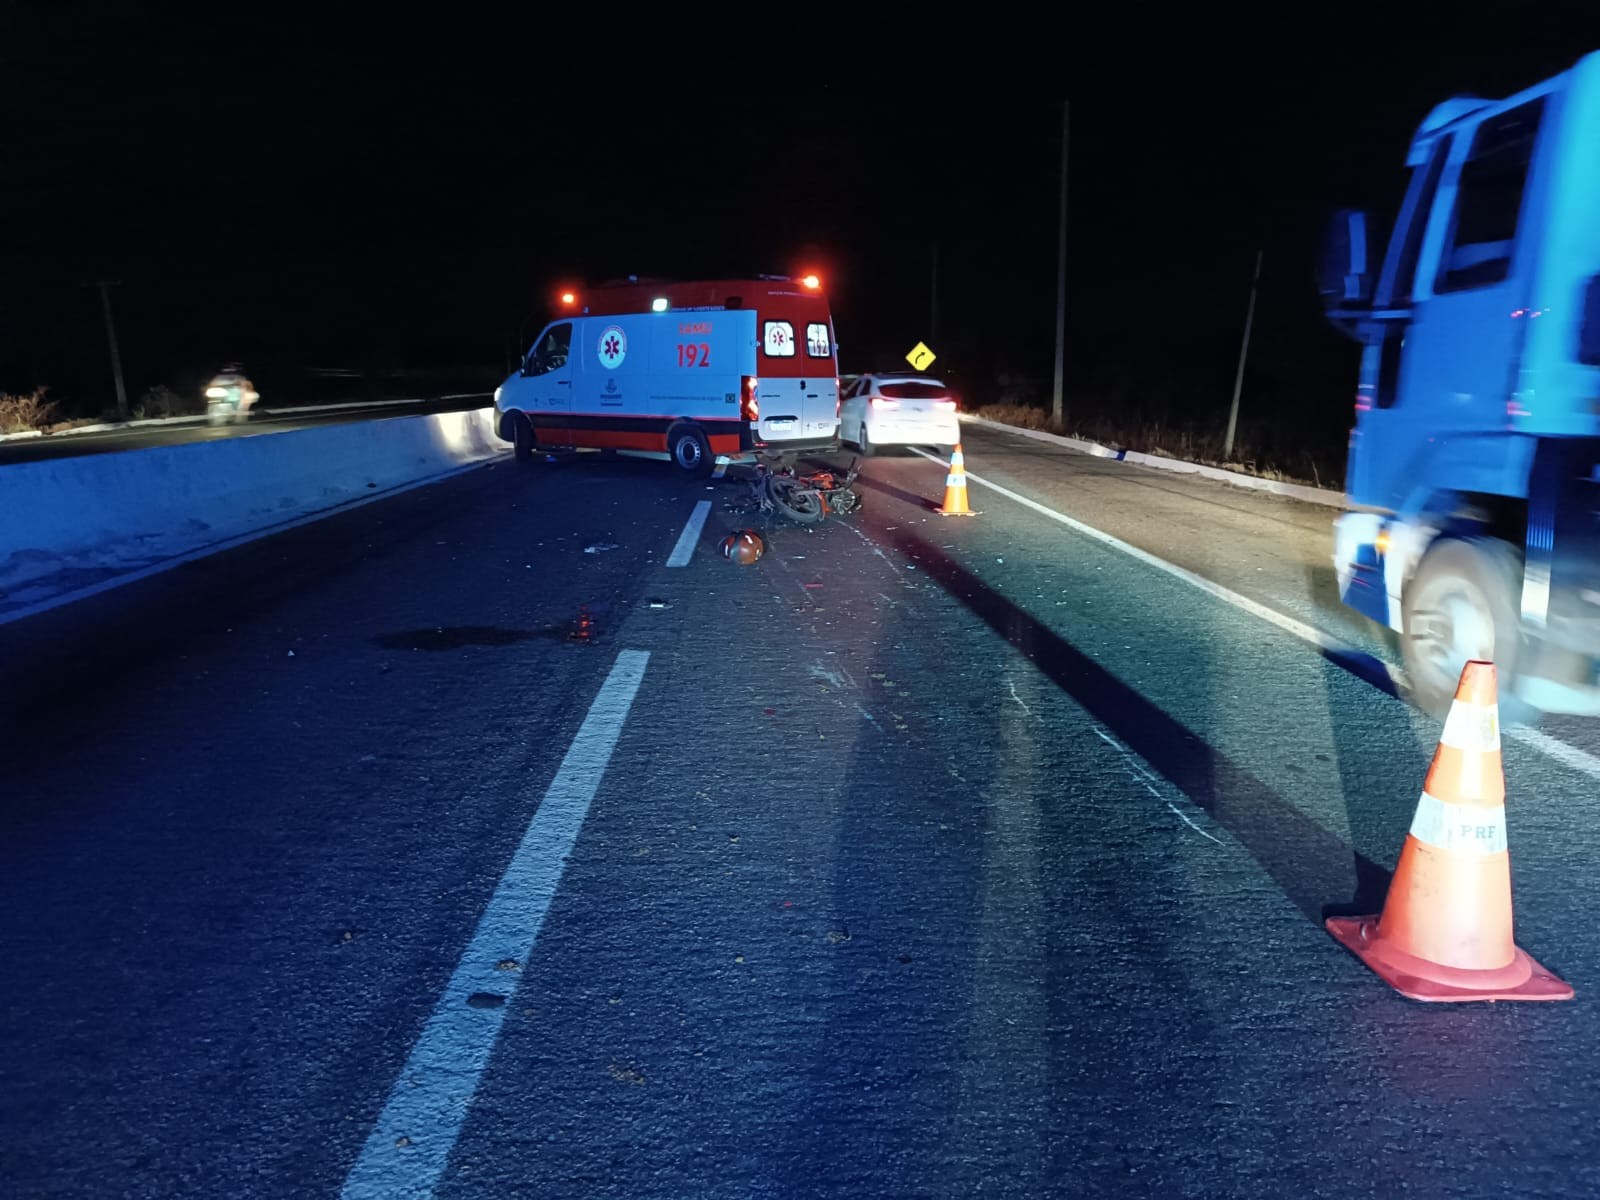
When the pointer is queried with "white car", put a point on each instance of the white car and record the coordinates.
(898, 409)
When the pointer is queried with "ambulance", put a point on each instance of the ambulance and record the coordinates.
(684, 371)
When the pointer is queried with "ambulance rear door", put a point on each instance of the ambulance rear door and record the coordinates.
(798, 389)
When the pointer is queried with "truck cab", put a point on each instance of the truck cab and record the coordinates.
(1473, 478)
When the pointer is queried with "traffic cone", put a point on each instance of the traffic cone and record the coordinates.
(1445, 930)
(955, 487)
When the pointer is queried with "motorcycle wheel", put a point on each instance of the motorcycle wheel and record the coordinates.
(794, 501)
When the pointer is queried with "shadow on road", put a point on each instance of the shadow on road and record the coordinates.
(911, 498)
(1306, 861)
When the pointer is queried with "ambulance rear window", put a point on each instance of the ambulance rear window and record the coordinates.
(818, 343)
(777, 339)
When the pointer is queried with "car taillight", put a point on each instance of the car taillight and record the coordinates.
(836, 393)
(945, 405)
(749, 406)
(884, 402)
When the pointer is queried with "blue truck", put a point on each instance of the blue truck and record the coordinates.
(1472, 522)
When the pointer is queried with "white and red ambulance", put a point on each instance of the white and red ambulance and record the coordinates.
(691, 372)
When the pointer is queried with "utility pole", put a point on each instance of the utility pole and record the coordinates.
(1059, 407)
(105, 286)
(1244, 350)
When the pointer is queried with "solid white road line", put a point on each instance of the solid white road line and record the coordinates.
(1567, 755)
(410, 1145)
(1288, 624)
(690, 537)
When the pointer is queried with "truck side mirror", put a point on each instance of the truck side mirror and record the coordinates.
(1346, 276)
(1589, 329)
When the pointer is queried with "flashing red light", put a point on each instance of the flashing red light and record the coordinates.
(810, 281)
(749, 406)
(569, 298)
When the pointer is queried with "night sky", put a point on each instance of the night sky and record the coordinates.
(301, 189)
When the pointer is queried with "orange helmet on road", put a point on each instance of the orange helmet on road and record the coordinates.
(743, 547)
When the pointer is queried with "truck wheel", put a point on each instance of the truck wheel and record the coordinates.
(1463, 604)
(521, 437)
(690, 450)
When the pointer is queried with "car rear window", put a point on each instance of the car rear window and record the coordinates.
(912, 390)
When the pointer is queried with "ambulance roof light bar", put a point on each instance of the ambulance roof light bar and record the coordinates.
(809, 280)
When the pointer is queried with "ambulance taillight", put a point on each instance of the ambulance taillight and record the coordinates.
(749, 406)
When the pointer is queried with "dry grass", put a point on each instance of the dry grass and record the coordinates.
(26, 412)
(1173, 442)
(32, 412)
(162, 401)
(1021, 416)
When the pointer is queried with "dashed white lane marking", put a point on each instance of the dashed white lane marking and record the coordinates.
(690, 537)
(410, 1145)
(1568, 755)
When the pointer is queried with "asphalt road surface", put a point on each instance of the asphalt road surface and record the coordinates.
(463, 844)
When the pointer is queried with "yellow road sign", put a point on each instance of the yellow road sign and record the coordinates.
(921, 357)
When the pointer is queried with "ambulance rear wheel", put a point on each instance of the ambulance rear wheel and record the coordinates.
(522, 437)
(690, 450)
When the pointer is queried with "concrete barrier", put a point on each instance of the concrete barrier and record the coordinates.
(72, 523)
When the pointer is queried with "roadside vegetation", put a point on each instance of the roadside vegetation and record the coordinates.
(26, 411)
(36, 412)
(1294, 446)
(1256, 451)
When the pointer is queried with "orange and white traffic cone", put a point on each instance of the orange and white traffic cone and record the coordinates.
(955, 487)
(1445, 930)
